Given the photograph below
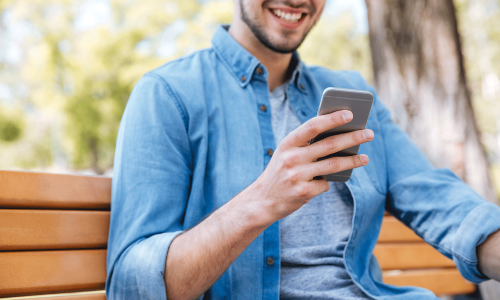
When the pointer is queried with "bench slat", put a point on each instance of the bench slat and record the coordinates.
(439, 281)
(394, 231)
(33, 216)
(401, 256)
(93, 295)
(26, 229)
(30, 272)
(38, 190)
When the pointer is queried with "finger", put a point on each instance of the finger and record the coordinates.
(336, 143)
(310, 129)
(319, 186)
(334, 165)
(311, 189)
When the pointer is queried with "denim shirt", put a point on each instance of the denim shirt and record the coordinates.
(193, 135)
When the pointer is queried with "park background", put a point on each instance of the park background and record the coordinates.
(67, 68)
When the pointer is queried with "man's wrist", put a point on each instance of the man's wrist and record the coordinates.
(488, 254)
(250, 207)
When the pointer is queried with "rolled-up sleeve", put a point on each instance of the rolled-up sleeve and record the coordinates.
(435, 203)
(151, 182)
(473, 231)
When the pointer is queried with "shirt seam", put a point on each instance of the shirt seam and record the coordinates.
(222, 58)
(383, 135)
(453, 253)
(181, 59)
(180, 108)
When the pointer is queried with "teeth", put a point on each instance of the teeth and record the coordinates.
(291, 18)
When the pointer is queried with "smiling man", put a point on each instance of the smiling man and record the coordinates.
(213, 192)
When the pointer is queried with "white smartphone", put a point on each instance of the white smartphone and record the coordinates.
(359, 103)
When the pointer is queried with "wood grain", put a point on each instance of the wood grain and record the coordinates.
(37, 212)
(401, 256)
(439, 281)
(394, 231)
(27, 229)
(92, 295)
(29, 272)
(38, 190)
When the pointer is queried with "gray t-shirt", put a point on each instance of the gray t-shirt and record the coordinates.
(314, 237)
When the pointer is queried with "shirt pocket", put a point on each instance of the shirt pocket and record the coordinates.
(376, 168)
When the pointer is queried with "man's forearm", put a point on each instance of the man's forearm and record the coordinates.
(488, 254)
(198, 257)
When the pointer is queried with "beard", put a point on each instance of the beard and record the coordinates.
(260, 32)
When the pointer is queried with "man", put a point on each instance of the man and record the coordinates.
(213, 191)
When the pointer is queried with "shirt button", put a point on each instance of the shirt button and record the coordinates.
(243, 78)
(302, 86)
(263, 108)
(270, 152)
(259, 71)
(270, 261)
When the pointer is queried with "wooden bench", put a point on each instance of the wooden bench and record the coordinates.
(54, 229)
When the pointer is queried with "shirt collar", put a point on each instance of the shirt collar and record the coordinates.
(243, 65)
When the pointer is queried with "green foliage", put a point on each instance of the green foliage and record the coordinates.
(11, 125)
(9, 131)
(88, 75)
(76, 82)
(35, 150)
(479, 26)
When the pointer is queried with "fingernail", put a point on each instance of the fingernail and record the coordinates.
(367, 134)
(364, 158)
(347, 116)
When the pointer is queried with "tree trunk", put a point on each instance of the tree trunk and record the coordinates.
(419, 74)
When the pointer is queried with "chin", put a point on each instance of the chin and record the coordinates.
(284, 43)
(279, 26)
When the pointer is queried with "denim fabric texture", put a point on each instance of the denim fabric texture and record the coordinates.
(313, 238)
(193, 135)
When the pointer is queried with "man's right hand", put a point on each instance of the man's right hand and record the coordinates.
(199, 256)
(287, 182)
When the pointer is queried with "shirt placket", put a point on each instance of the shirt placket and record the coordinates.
(271, 251)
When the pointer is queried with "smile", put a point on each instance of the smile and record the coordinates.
(288, 17)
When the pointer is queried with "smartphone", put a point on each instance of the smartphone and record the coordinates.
(359, 103)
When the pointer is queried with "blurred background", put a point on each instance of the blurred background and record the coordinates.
(67, 68)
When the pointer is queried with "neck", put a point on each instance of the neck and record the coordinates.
(276, 63)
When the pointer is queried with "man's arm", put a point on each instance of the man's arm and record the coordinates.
(151, 186)
(435, 203)
(488, 254)
(198, 257)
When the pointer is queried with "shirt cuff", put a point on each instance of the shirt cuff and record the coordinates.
(474, 229)
(139, 273)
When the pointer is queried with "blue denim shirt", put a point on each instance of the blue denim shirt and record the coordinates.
(192, 136)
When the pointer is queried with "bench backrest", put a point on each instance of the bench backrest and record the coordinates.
(54, 230)
(53, 234)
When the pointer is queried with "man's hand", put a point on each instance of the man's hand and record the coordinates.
(488, 254)
(287, 183)
(198, 257)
